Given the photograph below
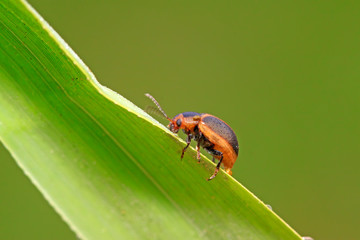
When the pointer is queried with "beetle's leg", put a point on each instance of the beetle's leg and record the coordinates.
(198, 151)
(213, 152)
(217, 168)
(217, 153)
(188, 141)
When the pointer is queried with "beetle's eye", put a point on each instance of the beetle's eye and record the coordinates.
(178, 122)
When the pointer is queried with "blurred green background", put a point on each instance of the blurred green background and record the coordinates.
(284, 74)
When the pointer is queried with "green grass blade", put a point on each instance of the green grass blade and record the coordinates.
(110, 170)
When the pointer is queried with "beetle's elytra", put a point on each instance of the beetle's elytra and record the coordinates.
(210, 133)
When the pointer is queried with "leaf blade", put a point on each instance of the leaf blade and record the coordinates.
(90, 157)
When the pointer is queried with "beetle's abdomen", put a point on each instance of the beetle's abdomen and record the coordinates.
(220, 128)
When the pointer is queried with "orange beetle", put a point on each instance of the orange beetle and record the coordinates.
(210, 132)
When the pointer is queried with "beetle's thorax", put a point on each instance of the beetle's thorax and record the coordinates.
(186, 121)
(189, 124)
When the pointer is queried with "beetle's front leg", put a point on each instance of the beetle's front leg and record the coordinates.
(188, 141)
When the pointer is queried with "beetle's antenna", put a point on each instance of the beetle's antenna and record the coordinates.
(158, 105)
(153, 110)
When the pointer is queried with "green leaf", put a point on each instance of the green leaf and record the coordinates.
(109, 169)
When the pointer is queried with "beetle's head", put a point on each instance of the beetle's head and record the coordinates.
(175, 123)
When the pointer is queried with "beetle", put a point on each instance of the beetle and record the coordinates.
(210, 133)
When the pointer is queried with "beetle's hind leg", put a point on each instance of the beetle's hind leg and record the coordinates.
(216, 153)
